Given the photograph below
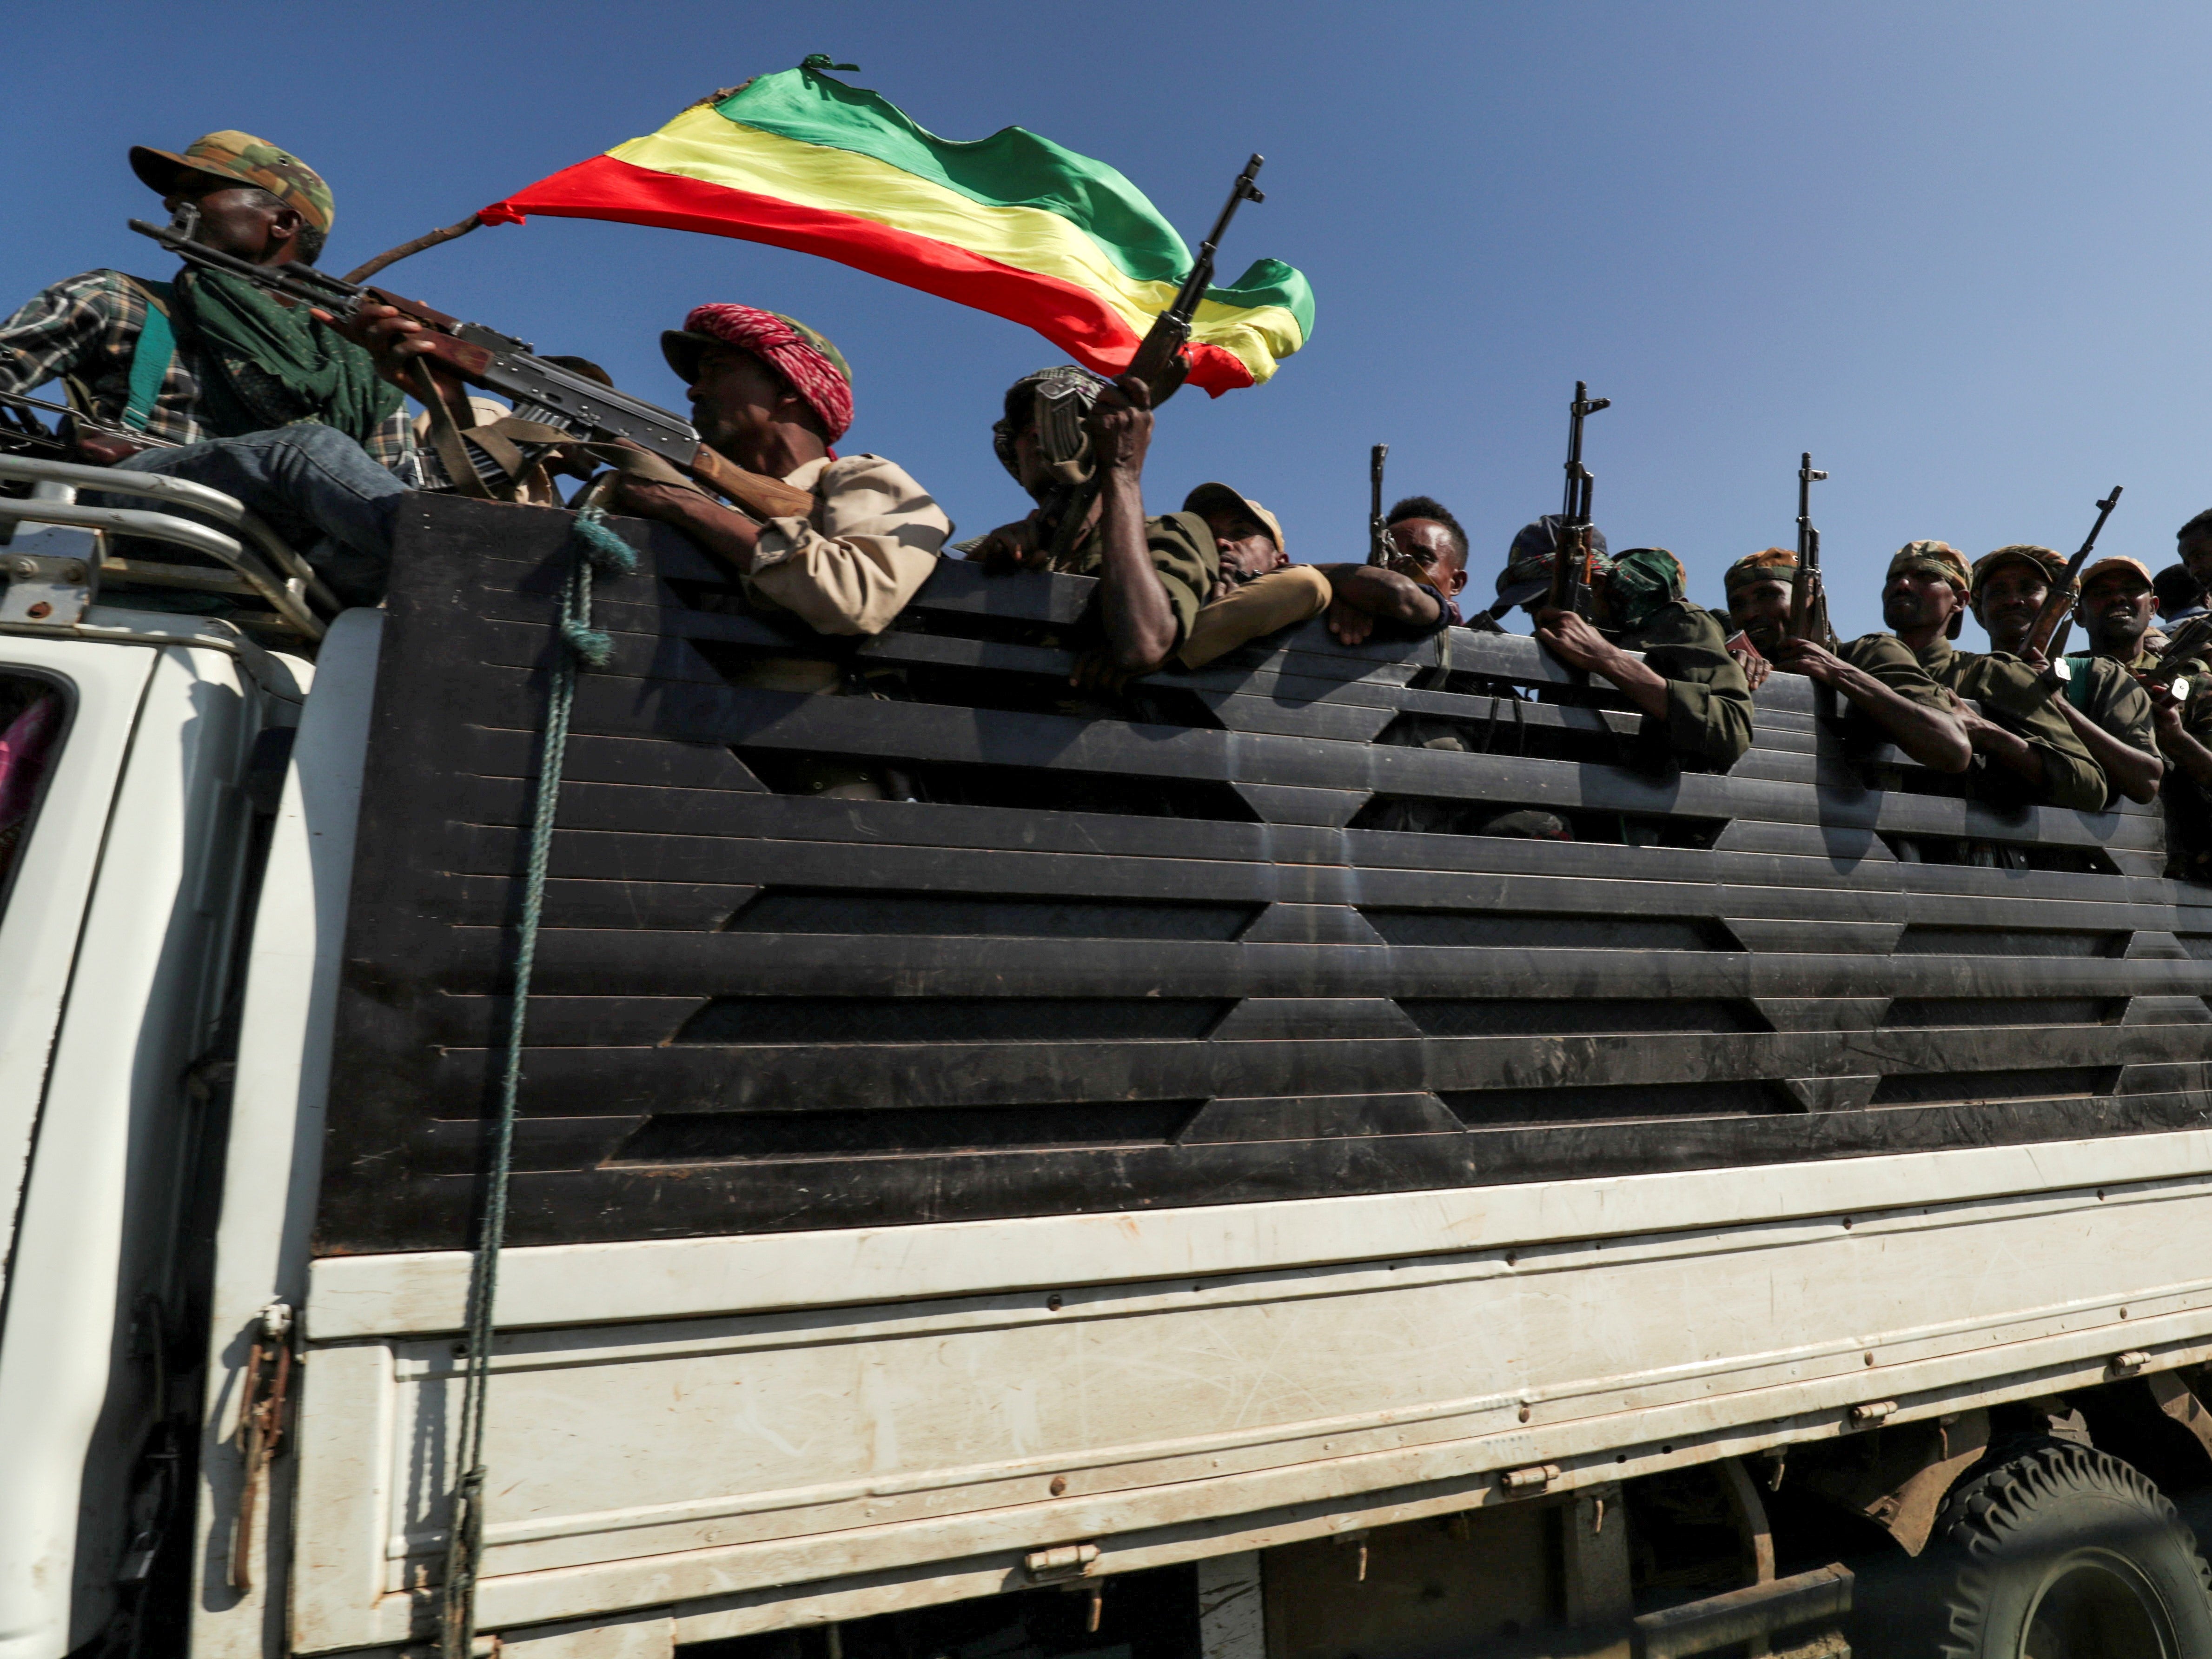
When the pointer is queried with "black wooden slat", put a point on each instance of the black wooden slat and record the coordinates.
(582, 962)
(697, 857)
(781, 1194)
(921, 733)
(700, 1077)
(1092, 839)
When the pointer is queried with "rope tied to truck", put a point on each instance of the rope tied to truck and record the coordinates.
(594, 550)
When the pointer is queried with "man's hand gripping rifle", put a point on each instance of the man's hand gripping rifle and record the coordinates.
(1159, 363)
(1570, 568)
(469, 352)
(2046, 637)
(1808, 597)
(2187, 643)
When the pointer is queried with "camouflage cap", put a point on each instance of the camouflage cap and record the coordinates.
(1938, 559)
(2042, 560)
(1220, 498)
(240, 158)
(1769, 564)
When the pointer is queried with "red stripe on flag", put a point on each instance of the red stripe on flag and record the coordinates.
(1071, 317)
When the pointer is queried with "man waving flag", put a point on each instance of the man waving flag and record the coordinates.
(1013, 224)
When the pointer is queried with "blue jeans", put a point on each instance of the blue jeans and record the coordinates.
(315, 486)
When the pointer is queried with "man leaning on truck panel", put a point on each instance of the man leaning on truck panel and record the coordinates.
(1695, 702)
(1888, 691)
(2032, 752)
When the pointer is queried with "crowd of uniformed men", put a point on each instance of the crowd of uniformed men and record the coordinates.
(304, 422)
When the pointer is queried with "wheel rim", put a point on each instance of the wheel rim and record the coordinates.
(2093, 1604)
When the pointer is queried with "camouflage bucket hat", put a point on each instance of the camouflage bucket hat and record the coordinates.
(1642, 580)
(1771, 564)
(240, 158)
(2042, 560)
(1937, 559)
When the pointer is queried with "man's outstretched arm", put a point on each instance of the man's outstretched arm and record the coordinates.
(1140, 625)
(1931, 735)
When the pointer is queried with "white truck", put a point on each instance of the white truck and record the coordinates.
(995, 1176)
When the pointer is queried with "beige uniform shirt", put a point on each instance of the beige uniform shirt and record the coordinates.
(850, 566)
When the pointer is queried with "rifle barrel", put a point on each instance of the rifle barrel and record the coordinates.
(2046, 625)
(301, 281)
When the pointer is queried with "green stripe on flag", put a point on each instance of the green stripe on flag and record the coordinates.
(1012, 168)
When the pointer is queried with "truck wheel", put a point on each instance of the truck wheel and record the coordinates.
(2058, 1551)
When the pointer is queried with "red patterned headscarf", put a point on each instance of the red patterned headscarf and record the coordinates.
(815, 368)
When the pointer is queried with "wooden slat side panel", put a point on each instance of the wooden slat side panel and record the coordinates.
(1085, 975)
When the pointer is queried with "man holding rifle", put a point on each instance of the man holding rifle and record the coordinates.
(1888, 691)
(1695, 702)
(218, 382)
(2109, 713)
(1153, 573)
(2032, 753)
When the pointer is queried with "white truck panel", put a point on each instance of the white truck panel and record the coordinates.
(276, 1106)
(100, 1192)
(897, 1453)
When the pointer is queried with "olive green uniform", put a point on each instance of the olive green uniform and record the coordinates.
(2014, 697)
(1184, 553)
(1889, 659)
(2106, 691)
(1707, 700)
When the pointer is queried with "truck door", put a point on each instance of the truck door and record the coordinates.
(66, 712)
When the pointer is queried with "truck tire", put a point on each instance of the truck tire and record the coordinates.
(2058, 1551)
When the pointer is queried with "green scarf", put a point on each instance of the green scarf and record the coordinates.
(270, 366)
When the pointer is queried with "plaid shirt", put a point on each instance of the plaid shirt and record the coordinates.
(87, 328)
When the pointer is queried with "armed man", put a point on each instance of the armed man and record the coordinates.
(2109, 711)
(1695, 702)
(1065, 437)
(222, 385)
(2031, 752)
(1888, 691)
(771, 395)
(1258, 591)
(2118, 601)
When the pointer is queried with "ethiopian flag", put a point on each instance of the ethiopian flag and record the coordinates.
(1011, 224)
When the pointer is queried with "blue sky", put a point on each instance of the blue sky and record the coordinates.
(1954, 250)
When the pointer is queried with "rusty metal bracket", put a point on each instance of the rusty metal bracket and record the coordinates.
(1063, 1561)
(51, 590)
(1535, 1478)
(261, 1399)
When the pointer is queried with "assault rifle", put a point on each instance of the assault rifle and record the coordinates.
(546, 393)
(1159, 363)
(1570, 568)
(2046, 636)
(1378, 534)
(2181, 647)
(1808, 599)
